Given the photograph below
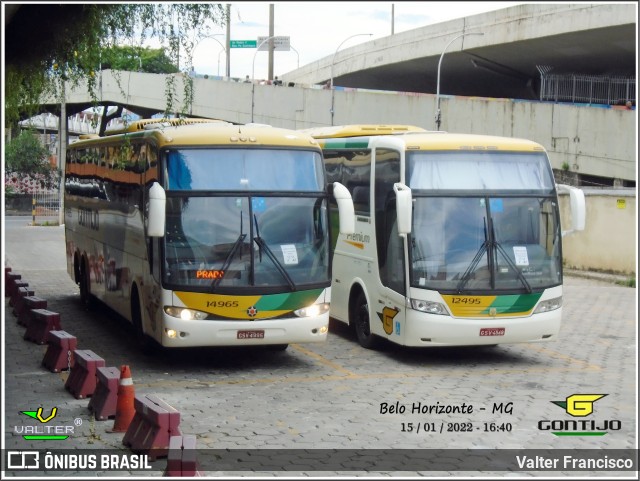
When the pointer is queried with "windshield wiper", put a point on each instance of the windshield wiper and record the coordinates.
(262, 245)
(484, 247)
(230, 255)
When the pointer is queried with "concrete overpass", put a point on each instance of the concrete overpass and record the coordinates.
(595, 144)
(586, 39)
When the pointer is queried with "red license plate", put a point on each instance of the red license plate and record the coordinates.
(492, 331)
(251, 334)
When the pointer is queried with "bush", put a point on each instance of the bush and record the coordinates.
(27, 160)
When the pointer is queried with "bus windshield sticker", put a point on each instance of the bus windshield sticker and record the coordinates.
(520, 253)
(496, 205)
(290, 254)
(258, 204)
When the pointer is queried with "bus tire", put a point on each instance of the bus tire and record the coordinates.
(86, 298)
(76, 268)
(146, 343)
(361, 323)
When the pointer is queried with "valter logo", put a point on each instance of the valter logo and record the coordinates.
(579, 406)
(43, 431)
(38, 415)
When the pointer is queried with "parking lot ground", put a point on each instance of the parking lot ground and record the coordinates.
(366, 405)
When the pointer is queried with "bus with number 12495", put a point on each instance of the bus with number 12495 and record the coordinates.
(204, 233)
(457, 239)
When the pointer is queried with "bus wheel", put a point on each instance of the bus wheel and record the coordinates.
(86, 298)
(146, 343)
(362, 325)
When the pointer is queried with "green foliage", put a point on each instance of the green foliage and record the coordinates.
(151, 60)
(630, 282)
(68, 46)
(26, 155)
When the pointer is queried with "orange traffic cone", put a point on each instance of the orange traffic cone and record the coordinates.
(124, 408)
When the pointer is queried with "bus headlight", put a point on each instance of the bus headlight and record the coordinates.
(185, 314)
(549, 305)
(429, 307)
(313, 310)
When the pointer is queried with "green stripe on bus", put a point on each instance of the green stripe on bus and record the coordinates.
(289, 301)
(343, 144)
(514, 303)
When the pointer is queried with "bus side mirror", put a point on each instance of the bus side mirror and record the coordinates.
(578, 209)
(345, 208)
(157, 211)
(404, 208)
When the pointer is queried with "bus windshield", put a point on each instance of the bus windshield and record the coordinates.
(480, 170)
(234, 220)
(244, 169)
(506, 237)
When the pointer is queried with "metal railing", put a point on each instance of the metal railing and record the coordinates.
(46, 203)
(591, 89)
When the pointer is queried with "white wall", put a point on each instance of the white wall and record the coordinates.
(608, 243)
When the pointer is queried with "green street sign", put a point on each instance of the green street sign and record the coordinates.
(244, 43)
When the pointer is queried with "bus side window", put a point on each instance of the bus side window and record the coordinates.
(361, 196)
(392, 265)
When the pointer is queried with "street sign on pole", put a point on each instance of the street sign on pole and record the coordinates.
(280, 44)
(243, 44)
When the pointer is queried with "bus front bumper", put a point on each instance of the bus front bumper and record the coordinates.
(451, 331)
(180, 333)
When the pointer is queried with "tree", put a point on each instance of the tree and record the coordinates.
(50, 44)
(26, 157)
(151, 60)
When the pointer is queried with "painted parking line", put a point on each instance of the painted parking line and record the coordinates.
(558, 355)
(322, 360)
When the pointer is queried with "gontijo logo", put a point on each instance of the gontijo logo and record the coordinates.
(45, 431)
(579, 406)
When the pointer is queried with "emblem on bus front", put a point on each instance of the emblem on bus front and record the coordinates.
(252, 311)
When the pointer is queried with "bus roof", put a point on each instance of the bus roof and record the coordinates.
(445, 141)
(145, 124)
(212, 133)
(360, 130)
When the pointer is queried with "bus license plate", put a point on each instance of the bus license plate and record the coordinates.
(251, 334)
(492, 331)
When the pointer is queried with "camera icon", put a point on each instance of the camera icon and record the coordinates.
(23, 460)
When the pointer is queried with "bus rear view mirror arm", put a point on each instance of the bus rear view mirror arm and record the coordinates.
(157, 211)
(345, 208)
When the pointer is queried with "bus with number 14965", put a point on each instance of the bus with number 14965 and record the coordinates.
(204, 233)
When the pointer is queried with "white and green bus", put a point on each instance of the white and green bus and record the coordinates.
(209, 234)
(457, 239)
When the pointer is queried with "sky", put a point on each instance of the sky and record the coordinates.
(317, 29)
